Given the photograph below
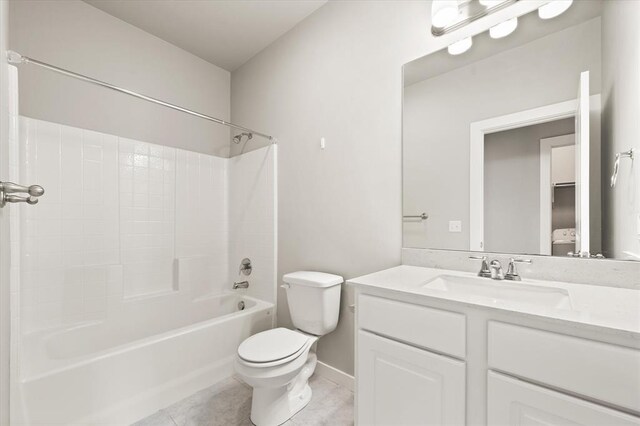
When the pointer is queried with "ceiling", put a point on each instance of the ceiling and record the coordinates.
(226, 33)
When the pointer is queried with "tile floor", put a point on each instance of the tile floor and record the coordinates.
(229, 404)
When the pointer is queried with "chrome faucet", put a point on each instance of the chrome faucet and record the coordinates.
(496, 270)
(241, 284)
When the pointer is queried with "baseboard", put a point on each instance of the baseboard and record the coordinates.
(335, 375)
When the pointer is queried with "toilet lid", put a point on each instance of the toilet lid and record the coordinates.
(271, 345)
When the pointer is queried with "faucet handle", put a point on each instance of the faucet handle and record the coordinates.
(485, 272)
(512, 271)
(245, 267)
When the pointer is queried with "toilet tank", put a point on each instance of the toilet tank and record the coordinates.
(314, 300)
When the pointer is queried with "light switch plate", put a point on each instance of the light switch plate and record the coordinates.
(455, 226)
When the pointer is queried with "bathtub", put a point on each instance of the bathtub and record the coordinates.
(141, 360)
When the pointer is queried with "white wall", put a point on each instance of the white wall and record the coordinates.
(438, 112)
(512, 186)
(621, 127)
(74, 35)
(338, 75)
(253, 220)
(4, 222)
(120, 219)
(563, 164)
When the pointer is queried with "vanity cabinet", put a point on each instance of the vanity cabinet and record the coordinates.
(439, 363)
(399, 384)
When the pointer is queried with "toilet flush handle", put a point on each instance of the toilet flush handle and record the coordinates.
(286, 286)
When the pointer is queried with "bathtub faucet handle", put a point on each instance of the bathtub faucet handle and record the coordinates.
(245, 267)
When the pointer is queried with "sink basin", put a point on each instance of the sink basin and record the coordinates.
(493, 291)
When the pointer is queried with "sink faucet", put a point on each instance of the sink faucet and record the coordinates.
(241, 284)
(496, 270)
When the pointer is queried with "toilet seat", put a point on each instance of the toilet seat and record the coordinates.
(273, 347)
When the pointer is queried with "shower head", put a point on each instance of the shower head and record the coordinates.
(238, 138)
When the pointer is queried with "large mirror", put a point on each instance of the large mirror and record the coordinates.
(510, 146)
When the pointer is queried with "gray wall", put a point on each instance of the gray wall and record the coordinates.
(438, 112)
(79, 37)
(337, 75)
(621, 127)
(512, 186)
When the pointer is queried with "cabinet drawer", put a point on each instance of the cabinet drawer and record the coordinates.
(608, 373)
(514, 402)
(441, 331)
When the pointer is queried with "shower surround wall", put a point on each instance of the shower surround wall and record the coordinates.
(120, 219)
(132, 241)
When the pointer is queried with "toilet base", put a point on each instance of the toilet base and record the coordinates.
(274, 406)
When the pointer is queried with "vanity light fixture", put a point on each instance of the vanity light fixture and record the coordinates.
(450, 15)
(503, 29)
(444, 12)
(554, 8)
(460, 46)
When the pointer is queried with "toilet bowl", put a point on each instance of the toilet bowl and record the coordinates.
(277, 363)
(279, 375)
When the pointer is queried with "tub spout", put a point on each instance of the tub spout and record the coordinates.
(241, 284)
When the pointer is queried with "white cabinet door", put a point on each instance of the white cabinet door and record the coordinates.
(402, 385)
(512, 402)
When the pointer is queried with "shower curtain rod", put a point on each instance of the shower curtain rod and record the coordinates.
(16, 58)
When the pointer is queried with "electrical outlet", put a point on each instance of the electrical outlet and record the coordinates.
(455, 226)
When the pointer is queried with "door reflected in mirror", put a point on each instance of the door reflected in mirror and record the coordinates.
(510, 146)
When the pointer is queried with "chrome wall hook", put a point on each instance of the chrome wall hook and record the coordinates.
(616, 165)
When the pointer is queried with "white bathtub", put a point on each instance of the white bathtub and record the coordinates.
(143, 359)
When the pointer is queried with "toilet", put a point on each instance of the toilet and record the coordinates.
(277, 363)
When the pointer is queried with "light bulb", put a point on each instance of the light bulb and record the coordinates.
(503, 29)
(554, 8)
(460, 47)
(444, 12)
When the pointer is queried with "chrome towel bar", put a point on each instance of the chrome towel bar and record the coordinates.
(422, 216)
(8, 189)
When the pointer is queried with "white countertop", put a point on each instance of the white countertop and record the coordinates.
(592, 305)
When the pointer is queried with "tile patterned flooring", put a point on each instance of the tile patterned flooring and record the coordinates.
(229, 404)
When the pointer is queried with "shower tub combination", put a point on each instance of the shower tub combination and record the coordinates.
(144, 360)
(84, 351)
